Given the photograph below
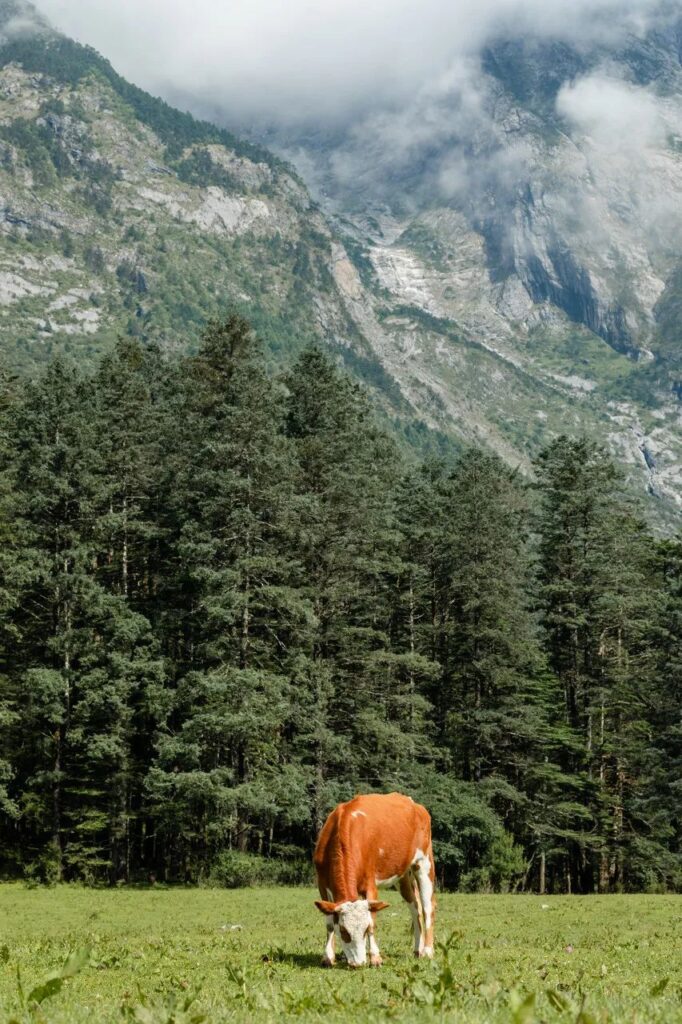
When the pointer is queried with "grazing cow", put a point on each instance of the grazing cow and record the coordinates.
(370, 841)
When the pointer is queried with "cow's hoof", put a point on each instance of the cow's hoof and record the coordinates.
(375, 961)
(424, 954)
(326, 962)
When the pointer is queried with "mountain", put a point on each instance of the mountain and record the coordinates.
(531, 203)
(120, 214)
(500, 284)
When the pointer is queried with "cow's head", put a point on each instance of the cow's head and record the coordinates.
(355, 922)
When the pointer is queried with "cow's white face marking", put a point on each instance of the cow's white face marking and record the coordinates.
(355, 923)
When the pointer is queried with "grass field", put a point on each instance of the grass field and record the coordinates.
(252, 955)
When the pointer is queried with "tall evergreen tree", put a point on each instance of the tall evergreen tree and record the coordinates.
(129, 409)
(493, 656)
(654, 859)
(422, 518)
(80, 651)
(9, 593)
(599, 608)
(52, 442)
(215, 779)
(497, 690)
(359, 690)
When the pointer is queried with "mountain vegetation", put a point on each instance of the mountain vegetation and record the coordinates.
(229, 602)
(125, 215)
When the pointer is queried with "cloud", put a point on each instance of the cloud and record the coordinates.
(625, 132)
(384, 103)
(613, 113)
(384, 146)
(294, 61)
(21, 19)
(16, 28)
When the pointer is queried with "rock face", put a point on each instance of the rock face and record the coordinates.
(546, 225)
(541, 296)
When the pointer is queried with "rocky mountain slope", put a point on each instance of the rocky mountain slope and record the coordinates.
(486, 314)
(120, 214)
(532, 202)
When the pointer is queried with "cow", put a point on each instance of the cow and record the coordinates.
(377, 839)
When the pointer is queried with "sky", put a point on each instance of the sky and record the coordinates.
(301, 61)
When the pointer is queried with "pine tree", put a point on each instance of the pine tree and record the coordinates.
(227, 603)
(598, 607)
(52, 482)
(492, 649)
(10, 589)
(214, 782)
(422, 518)
(497, 691)
(80, 651)
(346, 470)
(128, 415)
(129, 409)
(654, 856)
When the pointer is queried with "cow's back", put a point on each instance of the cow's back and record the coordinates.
(385, 813)
(371, 836)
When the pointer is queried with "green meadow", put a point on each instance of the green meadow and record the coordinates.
(191, 955)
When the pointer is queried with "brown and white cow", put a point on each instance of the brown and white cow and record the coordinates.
(370, 841)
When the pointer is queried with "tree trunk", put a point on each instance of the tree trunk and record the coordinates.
(61, 733)
(124, 553)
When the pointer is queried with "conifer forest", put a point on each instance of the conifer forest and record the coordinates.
(230, 599)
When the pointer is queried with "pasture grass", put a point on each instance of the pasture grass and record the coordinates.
(188, 955)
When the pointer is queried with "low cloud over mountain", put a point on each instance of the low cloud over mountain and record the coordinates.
(297, 61)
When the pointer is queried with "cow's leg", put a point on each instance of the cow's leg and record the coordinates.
(426, 880)
(410, 893)
(329, 958)
(374, 952)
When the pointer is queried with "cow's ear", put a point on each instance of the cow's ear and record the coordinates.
(376, 905)
(326, 906)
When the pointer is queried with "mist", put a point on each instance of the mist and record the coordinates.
(386, 105)
(299, 62)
